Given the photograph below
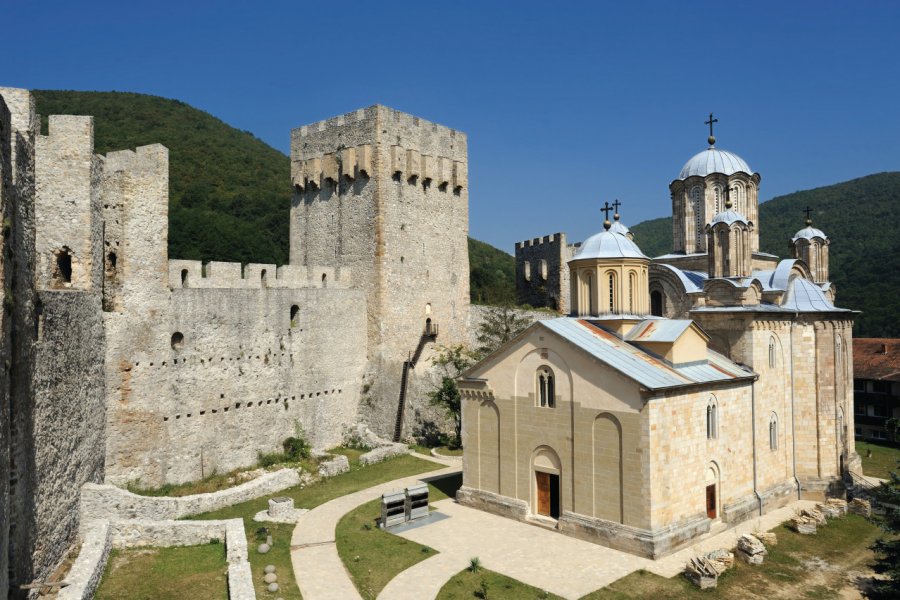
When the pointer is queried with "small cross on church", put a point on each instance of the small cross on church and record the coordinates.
(711, 139)
(616, 206)
(808, 210)
(606, 208)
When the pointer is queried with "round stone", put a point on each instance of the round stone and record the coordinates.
(263, 548)
(270, 578)
(269, 569)
(273, 587)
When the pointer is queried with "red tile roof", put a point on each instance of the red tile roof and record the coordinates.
(876, 358)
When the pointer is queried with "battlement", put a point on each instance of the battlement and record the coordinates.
(549, 240)
(391, 115)
(222, 275)
(153, 158)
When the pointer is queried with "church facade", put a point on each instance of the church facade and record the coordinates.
(682, 394)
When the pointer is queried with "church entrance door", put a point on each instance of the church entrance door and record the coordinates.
(711, 501)
(547, 494)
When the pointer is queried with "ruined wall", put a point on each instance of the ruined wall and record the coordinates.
(386, 194)
(542, 272)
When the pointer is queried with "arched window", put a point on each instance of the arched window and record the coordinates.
(718, 193)
(262, 278)
(611, 281)
(698, 215)
(772, 360)
(838, 355)
(324, 280)
(656, 303)
(295, 312)
(546, 388)
(712, 419)
(631, 279)
(184, 278)
(589, 293)
(773, 432)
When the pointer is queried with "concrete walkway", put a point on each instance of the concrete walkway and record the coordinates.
(545, 559)
(318, 569)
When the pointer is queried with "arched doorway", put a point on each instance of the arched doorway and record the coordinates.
(656, 303)
(712, 491)
(547, 470)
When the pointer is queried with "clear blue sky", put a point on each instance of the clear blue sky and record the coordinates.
(566, 104)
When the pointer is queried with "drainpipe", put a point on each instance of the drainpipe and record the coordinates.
(793, 413)
(753, 433)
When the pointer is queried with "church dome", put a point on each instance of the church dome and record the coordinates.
(607, 244)
(728, 217)
(713, 160)
(809, 232)
(620, 228)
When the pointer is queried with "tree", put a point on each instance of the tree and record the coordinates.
(500, 324)
(451, 361)
(887, 550)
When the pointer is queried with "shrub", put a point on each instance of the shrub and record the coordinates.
(474, 564)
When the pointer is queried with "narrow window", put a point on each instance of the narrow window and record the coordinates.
(63, 273)
(295, 312)
(773, 432)
(177, 340)
(772, 353)
(111, 261)
(551, 391)
(612, 292)
(656, 303)
(631, 279)
(324, 280)
(542, 389)
(712, 423)
(589, 291)
(698, 212)
(546, 388)
(184, 278)
(262, 278)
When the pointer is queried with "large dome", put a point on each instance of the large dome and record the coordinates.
(607, 244)
(713, 160)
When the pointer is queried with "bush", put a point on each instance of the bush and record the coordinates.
(296, 448)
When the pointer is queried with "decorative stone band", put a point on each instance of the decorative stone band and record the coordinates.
(475, 393)
(110, 502)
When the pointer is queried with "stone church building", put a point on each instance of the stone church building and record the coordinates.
(682, 394)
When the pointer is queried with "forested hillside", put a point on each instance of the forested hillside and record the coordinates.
(229, 192)
(859, 216)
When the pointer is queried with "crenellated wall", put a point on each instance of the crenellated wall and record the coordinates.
(542, 272)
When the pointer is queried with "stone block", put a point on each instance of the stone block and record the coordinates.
(383, 453)
(750, 549)
(334, 466)
(858, 506)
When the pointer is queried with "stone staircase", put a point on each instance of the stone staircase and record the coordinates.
(429, 334)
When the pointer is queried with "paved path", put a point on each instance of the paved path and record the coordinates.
(318, 569)
(560, 564)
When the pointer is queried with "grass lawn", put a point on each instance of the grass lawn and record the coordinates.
(798, 567)
(356, 479)
(467, 584)
(165, 574)
(883, 461)
(445, 450)
(372, 556)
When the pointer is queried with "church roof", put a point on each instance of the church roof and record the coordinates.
(728, 217)
(713, 160)
(636, 364)
(809, 232)
(620, 228)
(658, 330)
(876, 358)
(608, 244)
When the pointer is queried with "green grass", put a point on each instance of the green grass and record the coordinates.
(356, 479)
(467, 584)
(787, 572)
(165, 574)
(372, 556)
(882, 462)
(444, 450)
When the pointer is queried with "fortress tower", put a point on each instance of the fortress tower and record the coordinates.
(386, 194)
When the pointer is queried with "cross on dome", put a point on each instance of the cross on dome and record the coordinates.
(711, 139)
(616, 205)
(606, 208)
(808, 210)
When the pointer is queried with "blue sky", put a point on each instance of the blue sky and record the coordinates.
(566, 105)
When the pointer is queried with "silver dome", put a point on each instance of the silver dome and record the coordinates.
(728, 217)
(713, 160)
(809, 232)
(607, 244)
(620, 228)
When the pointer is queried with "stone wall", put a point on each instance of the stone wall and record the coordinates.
(386, 194)
(542, 272)
(110, 502)
(6, 213)
(84, 575)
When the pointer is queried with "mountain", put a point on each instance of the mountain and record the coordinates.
(229, 192)
(860, 218)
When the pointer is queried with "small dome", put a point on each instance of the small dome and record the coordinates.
(728, 217)
(607, 244)
(620, 228)
(713, 160)
(809, 232)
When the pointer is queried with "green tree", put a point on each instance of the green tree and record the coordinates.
(501, 324)
(887, 550)
(451, 361)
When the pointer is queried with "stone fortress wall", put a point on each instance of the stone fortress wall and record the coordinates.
(542, 272)
(386, 194)
(54, 435)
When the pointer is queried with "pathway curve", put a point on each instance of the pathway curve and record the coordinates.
(318, 569)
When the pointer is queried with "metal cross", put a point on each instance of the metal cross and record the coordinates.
(616, 205)
(807, 210)
(606, 208)
(710, 123)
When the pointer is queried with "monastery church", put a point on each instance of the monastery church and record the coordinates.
(683, 394)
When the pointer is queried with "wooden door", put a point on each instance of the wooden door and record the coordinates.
(711, 501)
(543, 493)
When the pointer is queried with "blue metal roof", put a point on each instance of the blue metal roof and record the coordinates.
(658, 330)
(713, 160)
(637, 364)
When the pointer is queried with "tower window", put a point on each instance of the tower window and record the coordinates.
(262, 278)
(611, 280)
(63, 271)
(184, 278)
(177, 340)
(546, 388)
(295, 312)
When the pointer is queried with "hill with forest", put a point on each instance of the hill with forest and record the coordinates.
(859, 216)
(229, 192)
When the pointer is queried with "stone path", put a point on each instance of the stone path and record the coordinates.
(545, 559)
(318, 569)
(560, 564)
